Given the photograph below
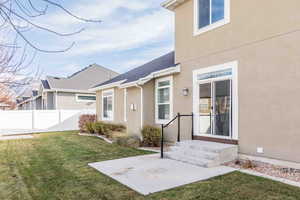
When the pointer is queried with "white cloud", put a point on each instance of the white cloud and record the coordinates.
(144, 30)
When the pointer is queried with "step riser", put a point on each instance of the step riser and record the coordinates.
(203, 154)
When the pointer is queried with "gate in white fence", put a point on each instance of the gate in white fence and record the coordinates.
(31, 121)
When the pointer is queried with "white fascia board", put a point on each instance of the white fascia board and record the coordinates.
(142, 81)
(172, 4)
(69, 91)
(115, 84)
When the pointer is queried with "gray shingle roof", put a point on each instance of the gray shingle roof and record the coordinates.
(158, 64)
(81, 80)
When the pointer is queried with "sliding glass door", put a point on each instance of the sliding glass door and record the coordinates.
(215, 105)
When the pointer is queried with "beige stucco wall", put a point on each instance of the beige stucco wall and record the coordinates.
(263, 37)
(118, 105)
(68, 101)
(149, 103)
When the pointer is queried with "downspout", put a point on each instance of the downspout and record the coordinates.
(142, 104)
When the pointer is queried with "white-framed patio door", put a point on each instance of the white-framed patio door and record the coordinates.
(215, 101)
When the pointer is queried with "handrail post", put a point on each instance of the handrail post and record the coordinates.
(162, 142)
(178, 136)
(192, 126)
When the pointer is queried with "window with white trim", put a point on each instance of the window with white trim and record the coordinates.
(210, 14)
(85, 98)
(164, 95)
(108, 105)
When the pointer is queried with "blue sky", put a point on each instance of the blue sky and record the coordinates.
(132, 33)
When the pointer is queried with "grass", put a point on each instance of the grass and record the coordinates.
(54, 166)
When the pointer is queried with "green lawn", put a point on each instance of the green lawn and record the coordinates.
(54, 166)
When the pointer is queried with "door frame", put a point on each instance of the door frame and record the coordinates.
(234, 78)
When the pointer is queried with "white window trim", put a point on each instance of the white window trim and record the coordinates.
(215, 25)
(235, 104)
(169, 78)
(125, 105)
(113, 104)
(89, 95)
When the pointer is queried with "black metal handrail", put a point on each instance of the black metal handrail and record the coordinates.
(178, 116)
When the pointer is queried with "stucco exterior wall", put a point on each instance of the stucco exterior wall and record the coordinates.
(149, 103)
(134, 116)
(265, 41)
(118, 105)
(67, 101)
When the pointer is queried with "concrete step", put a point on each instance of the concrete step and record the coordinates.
(201, 153)
(202, 162)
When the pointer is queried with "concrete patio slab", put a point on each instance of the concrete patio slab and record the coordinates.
(149, 174)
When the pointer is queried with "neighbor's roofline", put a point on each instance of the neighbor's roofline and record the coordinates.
(172, 4)
(141, 81)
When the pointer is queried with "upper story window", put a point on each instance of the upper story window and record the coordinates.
(210, 14)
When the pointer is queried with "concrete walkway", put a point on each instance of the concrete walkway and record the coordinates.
(149, 174)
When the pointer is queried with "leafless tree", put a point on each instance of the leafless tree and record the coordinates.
(17, 18)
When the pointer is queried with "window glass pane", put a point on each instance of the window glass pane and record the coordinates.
(163, 83)
(87, 98)
(107, 107)
(218, 10)
(164, 112)
(204, 13)
(105, 114)
(216, 74)
(164, 95)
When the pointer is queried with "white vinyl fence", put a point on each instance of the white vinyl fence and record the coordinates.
(30, 121)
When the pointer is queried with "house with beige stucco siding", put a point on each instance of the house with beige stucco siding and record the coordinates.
(236, 68)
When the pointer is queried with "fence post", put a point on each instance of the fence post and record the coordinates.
(33, 119)
(178, 136)
(162, 142)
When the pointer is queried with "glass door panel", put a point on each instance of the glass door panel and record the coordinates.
(222, 108)
(205, 108)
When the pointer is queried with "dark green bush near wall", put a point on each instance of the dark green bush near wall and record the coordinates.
(151, 136)
(128, 141)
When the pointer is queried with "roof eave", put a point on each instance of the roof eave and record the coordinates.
(111, 85)
(157, 74)
(172, 4)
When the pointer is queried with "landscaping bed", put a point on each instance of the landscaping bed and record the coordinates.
(268, 169)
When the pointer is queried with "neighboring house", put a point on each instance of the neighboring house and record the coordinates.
(5, 106)
(239, 74)
(69, 93)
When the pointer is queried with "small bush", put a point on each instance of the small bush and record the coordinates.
(100, 128)
(151, 136)
(128, 141)
(89, 126)
(116, 127)
(85, 119)
(248, 164)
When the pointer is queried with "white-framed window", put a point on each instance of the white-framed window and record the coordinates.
(108, 105)
(85, 98)
(163, 100)
(125, 105)
(210, 14)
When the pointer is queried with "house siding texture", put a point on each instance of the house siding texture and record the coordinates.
(68, 101)
(264, 37)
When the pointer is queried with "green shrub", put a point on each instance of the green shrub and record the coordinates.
(116, 127)
(89, 126)
(128, 141)
(151, 136)
(85, 119)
